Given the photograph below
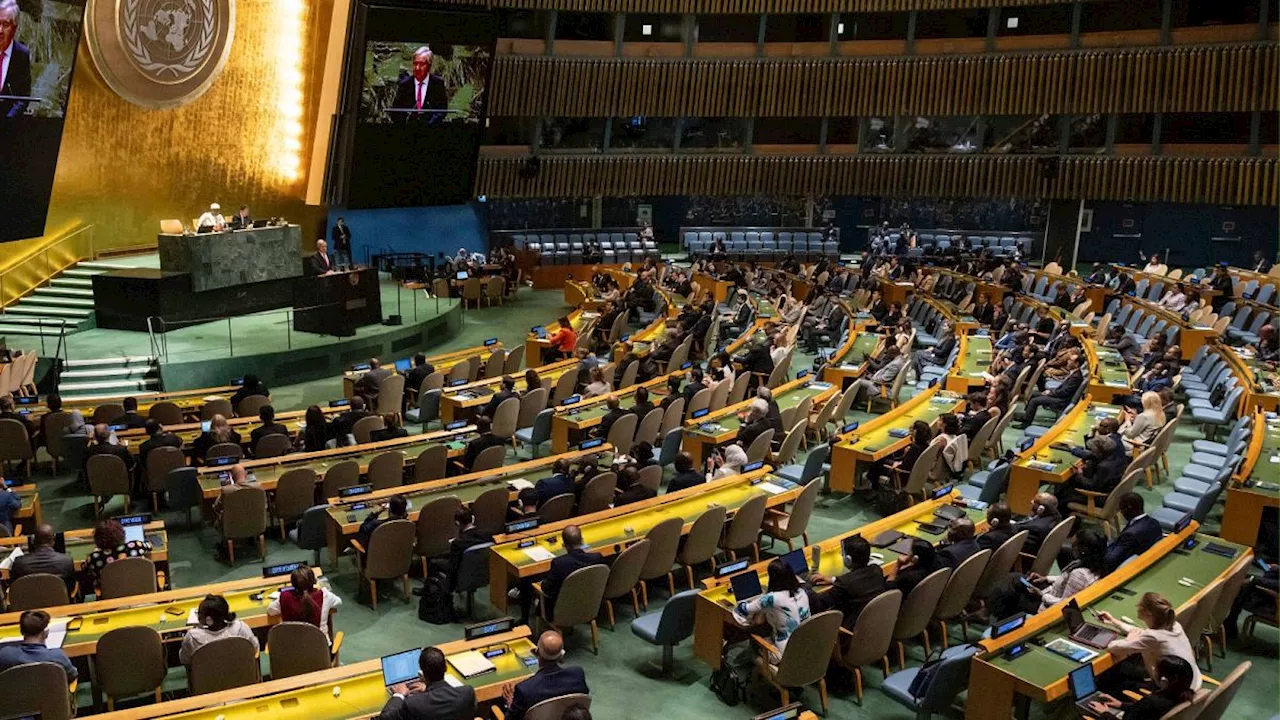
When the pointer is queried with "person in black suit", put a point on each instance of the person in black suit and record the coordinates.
(1057, 398)
(252, 386)
(157, 436)
(673, 392)
(940, 352)
(16, 78)
(7, 413)
(242, 220)
(559, 483)
(419, 372)
(269, 426)
(468, 537)
(102, 446)
(344, 423)
(851, 592)
(421, 91)
(551, 681)
(341, 237)
(391, 429)
(575, 558)
(774, 414)
(696, 383)
(1140, 532)
(434, 699)
(615, 414)
(130, 419)
(960, 544)
(911, 569)
(369, 383)
(485, 441)
(754, 422)
(686, 476)
(44, 559)
(397, 508)
(320, 263)
(999, 527)
(507, 391)
(630, 490)
(1044, 516)
(642, 407)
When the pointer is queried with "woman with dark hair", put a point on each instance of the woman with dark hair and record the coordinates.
(642, 455)
(304, 602)
(531, 380)
(110, 546)
(1034, 592)
(214, 621)
(911, 569)
(784, 605)
(955, 451)
(1173, 677)
(317, 432)
(905, 459)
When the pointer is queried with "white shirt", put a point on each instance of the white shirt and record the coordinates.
(1174, 301)
(1154, 644)
(210, 219)
(778, 353)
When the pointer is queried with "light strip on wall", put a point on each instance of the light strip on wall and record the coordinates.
(290, 76)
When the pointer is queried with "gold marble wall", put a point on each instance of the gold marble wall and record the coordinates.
(247, 140)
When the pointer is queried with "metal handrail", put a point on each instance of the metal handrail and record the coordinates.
(49, 270)
(160, 345)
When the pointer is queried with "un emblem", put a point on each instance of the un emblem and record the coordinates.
(160, 53)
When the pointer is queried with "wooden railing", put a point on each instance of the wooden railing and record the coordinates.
(1230, 181)
(1237, 77)
(50, 257)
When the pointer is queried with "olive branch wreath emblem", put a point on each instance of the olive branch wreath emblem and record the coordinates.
(193, 59)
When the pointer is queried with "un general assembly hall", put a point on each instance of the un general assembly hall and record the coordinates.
(622, 359)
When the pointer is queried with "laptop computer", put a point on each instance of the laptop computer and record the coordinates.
(463, 275)
(746, 586)
(1084, 688)
(1084, 632)
(401, 667)
(798, 563)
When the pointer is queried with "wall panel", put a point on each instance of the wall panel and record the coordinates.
(1220, 78)
(1231, 181)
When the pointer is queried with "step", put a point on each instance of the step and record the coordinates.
(12, 330)
(66, 313)
(108, 385)
(112, 361)
(45, 299)
(111, 373)
(75, 282)
(68, 291)
(103, 266)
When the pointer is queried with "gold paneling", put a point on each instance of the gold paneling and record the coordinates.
(1218, 78)
(1232, 181)
(123, 168)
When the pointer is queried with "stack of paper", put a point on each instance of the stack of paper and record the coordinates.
(538, 553)
(7, 563)
(519, 484)
(471, 663)
(770, 488)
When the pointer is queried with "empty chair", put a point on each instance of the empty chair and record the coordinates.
(624, 577)
(939, 692)
(578, 601)
(365, 426)
(668, 627)
(38, 590)
(1048, 552)
(490, 458)
(744, 529)
(869, 640)
(598, 493)
(700, 545)
(490, 509)
(664, 544)
(539, 432)
(166, 413)
(959, 589)
(225, 663)
(296, 648)
(556, 508)
(127, 577)
(108, 476)
(244, 517)
(386, 470)
(36, 690)
(787, 526)
(160, 462)
(295, 492)
(389, 555)
(130, 661)
(917, 610)
(1215, 705)
(432, 463)
(436, 529)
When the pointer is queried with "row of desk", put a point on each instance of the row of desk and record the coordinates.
(442, 363)
(721, 427)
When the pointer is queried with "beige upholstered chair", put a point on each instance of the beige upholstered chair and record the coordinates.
(743, 531)
(386, 470)
(127, 577)
(1048, 552)
(249, 406)
(219, 406)
(388, 557)
(108, 476)
(390, 395)
(295, 492)
(490, 509)
(956, 595)
(787, 526)
(160, 461)
(759, 448)
(871, 636)
(225, 663)
(703, 540)
(622, 433)
(39, 590)
(269, 446)
(578, 601)
(432, 463)
(365, 426)
(664, 543)
(556, 508)
(166, 413)
(297, 648)
(598, 493)
(36, 688)
(436, 528)
(917, 610)
(130, 661)
(805, 659)
(490, 458)
(244, 517)
(341, 475)
(624, 577)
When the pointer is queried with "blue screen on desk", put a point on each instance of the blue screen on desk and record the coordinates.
(401, 667)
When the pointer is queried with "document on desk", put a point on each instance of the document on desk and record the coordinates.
(471, 663)
(452, 681)
(57, 634)
(519, 484)
(771, 488)
(7, 563)
(193, 617)
(539, 554)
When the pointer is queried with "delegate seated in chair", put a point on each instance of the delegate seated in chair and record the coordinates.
(552, 679)
(214, 621)
(1056, 399)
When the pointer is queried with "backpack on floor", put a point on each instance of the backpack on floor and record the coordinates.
(436, 602)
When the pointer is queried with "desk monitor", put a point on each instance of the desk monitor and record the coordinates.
(401, 667)
(522, 525)
(204, 229)
(28, 400)
(354, 490)
(282, 569)
(486, 629)
(942, 492)
(597, 442)
(403, 366)
(260, 223)
(570, 400)
(238, 382)
(222, 461)
(1008, 625)
(850, 427)
(360, 367)
(118, 427)
(746, 585)
(458, 382)
(456, 424)
(686, 366)
(802, 373)
(1082, 682)
(733, 567)
(491, 342)
(133, 527)
(752, 467)
(700, 413)
(341, 402)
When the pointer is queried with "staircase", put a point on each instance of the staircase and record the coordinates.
(68, 297)
(109, 376)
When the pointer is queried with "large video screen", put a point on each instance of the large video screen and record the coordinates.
(421, 109)
(38, 41)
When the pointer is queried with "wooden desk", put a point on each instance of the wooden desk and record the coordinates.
(268, 471)
(887, 434)
(29, 494)
(346, 514)
(465, 401)
(714, 618)
(1042, 463)
(721, 427)
(1095, 294)
(572, 423)
(895, 291)
(1191, 336)
(1108, 375)
(719, 289)
(534, 346)
(79, 544)
(850, 361)
(1246, 505)
(347, 691)
(609, 531)
(994, 291)
(1040, 675)
(1260, 380)
(442, 363)
(972, 360)
(294, 420)
(190, 401)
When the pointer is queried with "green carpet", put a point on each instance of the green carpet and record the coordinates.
(624, 675)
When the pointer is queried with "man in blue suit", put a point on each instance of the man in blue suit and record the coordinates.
(558, 484)
(1140, 532)
(552, 680)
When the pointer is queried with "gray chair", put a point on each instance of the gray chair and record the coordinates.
(130, 661)
(386, 470)
(917, 611)
(955, 596)
(297, 648)
(671, 440)
(744, 529)
(702, 541)
(664, 544)
(311, 531)
(624, 576)
(668, 627)
(938, 694)
(806, 657)
(1215, 705)
(436, 529)
(127, 577)
(578, 601)
(1048, 552)
(556, 509)
(871, 636)
(598, 493)
(622, 433)
(555, 708)
(36, 689)
(36, 591)
(432, 463)
(226, 663)
(760, 446)
(472, 573)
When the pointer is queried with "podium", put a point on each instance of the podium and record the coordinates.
(337, 304)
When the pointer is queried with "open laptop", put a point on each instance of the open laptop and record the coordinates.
(1084, 632)
(798, 562)
(1084, 688)
(401, 667)
(746, 586)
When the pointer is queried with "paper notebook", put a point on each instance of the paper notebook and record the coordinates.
(538, 553)
(471, 663)
(519, 484)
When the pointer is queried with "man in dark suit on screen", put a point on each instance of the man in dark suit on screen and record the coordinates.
(15, 62)
(320, 263)
(421, 91)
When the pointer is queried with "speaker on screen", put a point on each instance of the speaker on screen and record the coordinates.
(414, 104)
